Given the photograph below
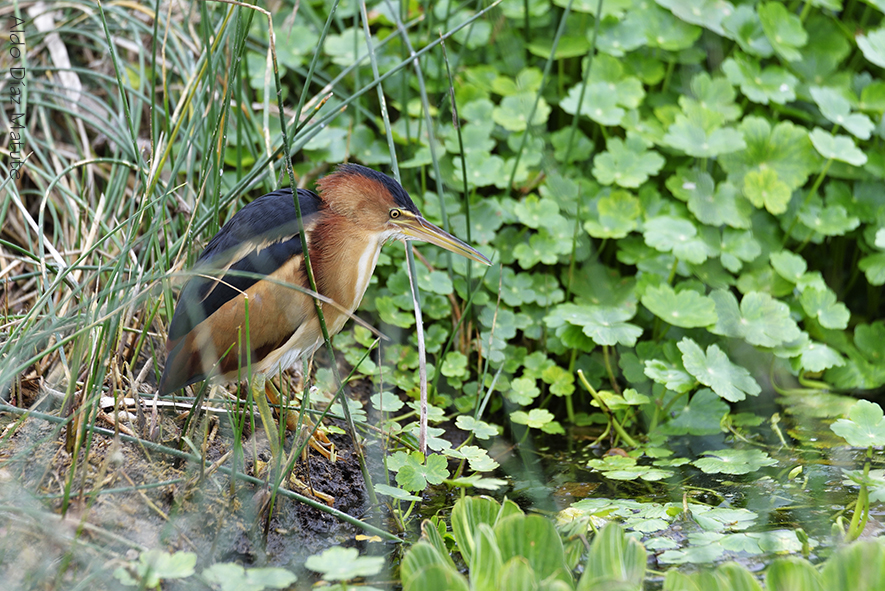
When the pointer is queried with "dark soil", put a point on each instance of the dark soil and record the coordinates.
(44, 537)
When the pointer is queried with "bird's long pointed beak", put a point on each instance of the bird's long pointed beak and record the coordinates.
(417, 228)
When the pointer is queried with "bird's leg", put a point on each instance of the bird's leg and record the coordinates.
(327, 499)
(319, 441)
(258, 386)
(291, 417)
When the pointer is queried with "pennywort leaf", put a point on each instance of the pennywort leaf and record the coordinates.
(686, 308)
(714, 369)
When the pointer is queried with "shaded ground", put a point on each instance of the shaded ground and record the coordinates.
(151, 500)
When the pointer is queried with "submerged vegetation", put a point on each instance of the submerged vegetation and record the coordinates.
(668, 378)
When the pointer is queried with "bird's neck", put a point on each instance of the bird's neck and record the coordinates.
(344, 265)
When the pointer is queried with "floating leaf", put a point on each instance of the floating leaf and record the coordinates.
(477, 457)
(386, 402)
(816, 357)
(722, 518)
(527, 81)
(872, 98)
(454, 365)
(343, 564)
(476, 137)
(617, 467)
(580, 149)
(478, 481)
(539, 213)
(661, 29)
(823, 60)
(435, 440)
(687, 308)
(715, 369)
(711, 95)
(435, 282)
(156, 565)
(562, 382)
(734, 461)
(483, 170)
(610, 72)
(543, 247)
(392, 314)
(233, 577)
(789, 265)
(618, 37)
(486, 217)
(536, 364)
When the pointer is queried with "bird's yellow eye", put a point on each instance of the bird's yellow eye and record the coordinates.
(395, 213)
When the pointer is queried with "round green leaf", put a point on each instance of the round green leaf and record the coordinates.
(687, 308)
(864, 427)
(233, 577)
(733, 461)
(783, 29)
(694, 140)
(872, 45)
(837, 147)
(715, 369)
(343, 564)
(763, 188)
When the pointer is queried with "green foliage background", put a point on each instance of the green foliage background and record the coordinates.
(693, 207)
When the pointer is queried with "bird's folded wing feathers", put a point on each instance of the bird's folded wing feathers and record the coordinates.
(257, 241)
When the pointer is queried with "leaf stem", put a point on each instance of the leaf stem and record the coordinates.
(611, 417)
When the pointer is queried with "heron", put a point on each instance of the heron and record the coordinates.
(246, 272)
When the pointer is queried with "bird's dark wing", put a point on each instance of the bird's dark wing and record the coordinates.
(255, 242)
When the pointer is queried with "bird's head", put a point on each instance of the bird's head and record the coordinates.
(379, 204)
